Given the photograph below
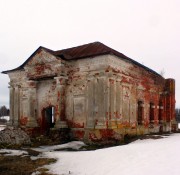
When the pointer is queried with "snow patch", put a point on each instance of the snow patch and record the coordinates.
(178, 125)
(10, 152)
(160, 156)
(2, 127)
(36, 173)
(5, 117)
(75, 145)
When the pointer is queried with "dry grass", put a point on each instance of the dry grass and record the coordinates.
(23, 165)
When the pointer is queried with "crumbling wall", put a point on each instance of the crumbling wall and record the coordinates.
(105, 92)
(99, 99)
(39, 85)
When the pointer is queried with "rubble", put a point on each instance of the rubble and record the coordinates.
(14, 136)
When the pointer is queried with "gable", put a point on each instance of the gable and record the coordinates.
(42, 64)
(41, 57)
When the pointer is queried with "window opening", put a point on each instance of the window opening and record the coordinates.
(151, 112)
(140, 112)
(160, 111)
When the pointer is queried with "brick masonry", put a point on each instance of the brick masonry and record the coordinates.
(98, 98)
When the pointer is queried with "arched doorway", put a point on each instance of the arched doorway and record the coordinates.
(47, 119)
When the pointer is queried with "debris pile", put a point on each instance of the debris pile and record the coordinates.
(14, 136)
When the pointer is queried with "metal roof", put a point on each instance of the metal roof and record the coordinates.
(84, 51)
(87, 50)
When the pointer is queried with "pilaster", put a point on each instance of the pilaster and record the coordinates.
(60, 118)
(100, 101)
(11, 104)
(16, 105)
(90, 102)
(32, 104)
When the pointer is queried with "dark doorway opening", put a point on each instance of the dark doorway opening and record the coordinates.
(48, 119)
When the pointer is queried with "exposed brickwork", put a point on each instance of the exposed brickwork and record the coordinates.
(99, 98)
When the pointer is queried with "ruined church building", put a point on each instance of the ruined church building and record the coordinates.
(96, 92)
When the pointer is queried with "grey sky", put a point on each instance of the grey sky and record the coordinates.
(146, 31)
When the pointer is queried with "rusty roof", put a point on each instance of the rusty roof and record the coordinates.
(84, 51)
(87, 50)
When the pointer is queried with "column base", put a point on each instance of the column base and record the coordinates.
(31, 123)
(61, 124)
(100, 126)
(10, 122)
(15, 123)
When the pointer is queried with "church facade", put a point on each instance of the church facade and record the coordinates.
(99, 94)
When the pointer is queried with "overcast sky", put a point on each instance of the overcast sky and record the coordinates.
(147, 31)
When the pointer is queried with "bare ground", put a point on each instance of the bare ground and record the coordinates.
(24, 165)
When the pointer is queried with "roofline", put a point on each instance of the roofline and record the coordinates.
(113, 52)
(68, 58)
(12, 70)
(21, 67)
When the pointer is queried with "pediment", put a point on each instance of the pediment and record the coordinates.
(42, 64)
(40, 57)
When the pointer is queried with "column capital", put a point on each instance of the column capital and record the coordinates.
(119, 78)
(89, 78)
(11, 85)
(31, 83)
(60, 77)
(16, 86)
(61, 80)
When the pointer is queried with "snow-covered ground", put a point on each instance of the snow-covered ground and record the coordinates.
(1, 125)
(73, 145)
(9, 152)
(5, 117)
(142, 157)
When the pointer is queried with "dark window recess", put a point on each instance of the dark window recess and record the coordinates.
(140, 112)
(151, 112)
(160, 111)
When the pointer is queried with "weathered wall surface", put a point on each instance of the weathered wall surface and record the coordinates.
(105, 92)
(40, 85)
(99, 98)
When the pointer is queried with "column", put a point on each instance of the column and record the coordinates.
(170, 101)
(11, 104)
(100, 102)
(32, 104)
(118, 101)
(111, 97)
(90, 102)
(16, 106)
(107, 99)
(112, 103)
(60, 118)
